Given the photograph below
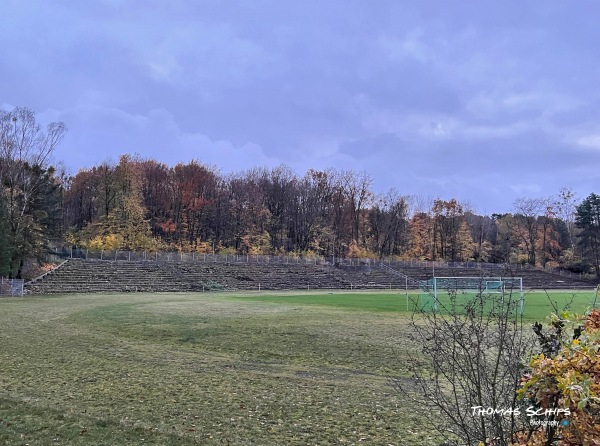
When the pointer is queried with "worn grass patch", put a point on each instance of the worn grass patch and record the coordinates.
(201, 369)
(225, 369)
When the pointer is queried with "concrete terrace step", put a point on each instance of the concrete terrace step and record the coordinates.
(96, 276)
(80, 276)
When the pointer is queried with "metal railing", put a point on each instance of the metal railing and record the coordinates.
(169, 256)
(146, 256)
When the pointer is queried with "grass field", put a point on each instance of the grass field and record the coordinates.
(538, 304)
(213, 368)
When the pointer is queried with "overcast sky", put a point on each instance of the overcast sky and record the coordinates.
(485, 101)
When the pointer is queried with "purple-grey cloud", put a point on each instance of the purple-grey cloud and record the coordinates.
(483, 101)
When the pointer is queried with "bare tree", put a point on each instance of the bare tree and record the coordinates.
(388, 224)
(25, 174)
(527, 213)
(566, 206)
(468, 367)
(312, 202)
(357, 191)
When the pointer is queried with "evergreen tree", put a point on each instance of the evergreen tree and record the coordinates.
(6, 245)
(588, 221)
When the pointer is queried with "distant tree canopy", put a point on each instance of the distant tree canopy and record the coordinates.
(141, 204)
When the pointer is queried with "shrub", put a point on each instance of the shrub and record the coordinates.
(565, 376)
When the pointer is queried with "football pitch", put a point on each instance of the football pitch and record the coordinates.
(214, 368)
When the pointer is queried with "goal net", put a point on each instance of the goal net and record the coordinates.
(454, 293)
(11, 287)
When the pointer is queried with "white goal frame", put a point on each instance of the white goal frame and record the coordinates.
(11, 287)
(478, 285)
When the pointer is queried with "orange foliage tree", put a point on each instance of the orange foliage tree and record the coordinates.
(563, 385)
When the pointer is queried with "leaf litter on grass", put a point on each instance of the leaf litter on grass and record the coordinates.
(207, 372)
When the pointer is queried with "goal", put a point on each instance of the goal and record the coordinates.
(11, 287)
(454, 293)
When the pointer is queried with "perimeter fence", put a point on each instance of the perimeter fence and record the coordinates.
(367, 262)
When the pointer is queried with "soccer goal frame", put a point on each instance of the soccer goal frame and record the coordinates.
(480, 286)
(11, 287)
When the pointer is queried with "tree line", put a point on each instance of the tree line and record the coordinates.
(142, 204)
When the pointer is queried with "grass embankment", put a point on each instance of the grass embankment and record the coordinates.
(223, 369)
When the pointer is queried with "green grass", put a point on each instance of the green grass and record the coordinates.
(381, 301)
(538, 304)
(212, 368)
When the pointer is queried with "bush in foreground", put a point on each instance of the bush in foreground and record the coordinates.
(563, 384)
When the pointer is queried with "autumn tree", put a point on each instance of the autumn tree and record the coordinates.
(271, 210)
(388, 224)
(548, 240)
(278, 190)
(193, 187)
(356, 187)
(309, 213)
(6, 244)
(81, 200)
(339, 219)
(245, 216)
(121, 221)
(483, 231)
(451, 237)
(421, 236)
(566, 209)
(157, 193)
(563, 383)
(527, 222)
(506, 238)
(128, 218)
(107, 185)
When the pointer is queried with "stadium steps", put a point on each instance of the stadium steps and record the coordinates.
(93, 276)
(532, 278)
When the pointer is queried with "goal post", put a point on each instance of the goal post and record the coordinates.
(442, 291)
(11, 287)
(494, 286)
